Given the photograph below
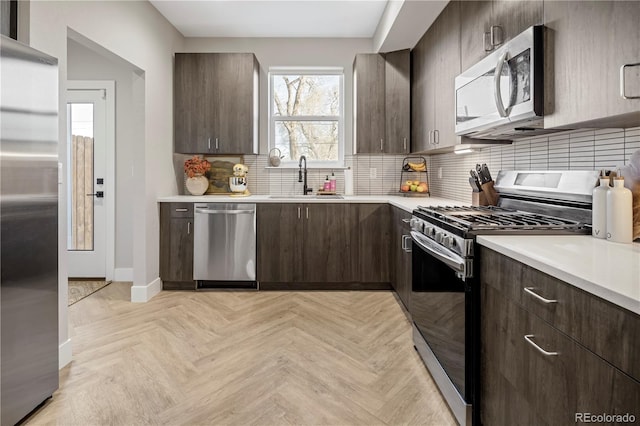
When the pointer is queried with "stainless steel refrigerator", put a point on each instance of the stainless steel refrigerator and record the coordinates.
(28, 229)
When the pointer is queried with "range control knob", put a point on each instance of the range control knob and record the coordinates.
(446, 241)
(438, 237)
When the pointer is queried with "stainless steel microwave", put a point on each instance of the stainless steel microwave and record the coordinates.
(501, 97)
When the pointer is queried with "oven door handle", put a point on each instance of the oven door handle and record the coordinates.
(446, 256)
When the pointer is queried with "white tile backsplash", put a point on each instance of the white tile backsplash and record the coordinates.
(572, 150)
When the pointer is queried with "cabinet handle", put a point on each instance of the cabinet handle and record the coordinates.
(404, 143)
(436, 140)
(381, 149)
(537, 296)
(495, 40)
(405, 246)
(188, 228)
(528, 338)
(209, 143)
(622, 81)
(217, 146)
(182, 210)
(486, 40)
(298, 212)
(307, 208)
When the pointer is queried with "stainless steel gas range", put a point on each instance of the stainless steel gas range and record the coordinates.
(445, 296)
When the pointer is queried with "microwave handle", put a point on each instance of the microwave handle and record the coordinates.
(502, 61)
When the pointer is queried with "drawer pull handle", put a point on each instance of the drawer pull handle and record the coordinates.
(528, 338)
(181, 210)
(537, 296)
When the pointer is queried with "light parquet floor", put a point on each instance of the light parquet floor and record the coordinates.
(243, 358)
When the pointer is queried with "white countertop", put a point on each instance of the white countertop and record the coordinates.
(406, 203)
(608, 270)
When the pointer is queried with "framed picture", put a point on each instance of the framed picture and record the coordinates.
(221, 171)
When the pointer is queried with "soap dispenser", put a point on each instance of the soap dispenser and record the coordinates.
(599, 210)
(619, 212)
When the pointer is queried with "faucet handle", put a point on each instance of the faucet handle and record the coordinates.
(308, 191)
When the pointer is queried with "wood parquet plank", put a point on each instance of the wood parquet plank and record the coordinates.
(243, 358)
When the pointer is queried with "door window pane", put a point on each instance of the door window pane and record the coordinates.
(80, 182)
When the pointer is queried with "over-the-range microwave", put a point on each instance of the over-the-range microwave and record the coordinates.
(502, 96)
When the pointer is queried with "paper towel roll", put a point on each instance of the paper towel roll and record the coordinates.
(348, 182)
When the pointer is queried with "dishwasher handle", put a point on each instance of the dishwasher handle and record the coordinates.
(208, 211)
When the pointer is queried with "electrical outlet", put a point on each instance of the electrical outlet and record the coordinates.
(373, 173)
(439, 172)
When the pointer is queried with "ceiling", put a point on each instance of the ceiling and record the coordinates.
(270, 18)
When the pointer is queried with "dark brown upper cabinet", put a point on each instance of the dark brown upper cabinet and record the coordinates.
(486, 25)
(216, 103)
(591, 49)
(435, 62)
(382, 102)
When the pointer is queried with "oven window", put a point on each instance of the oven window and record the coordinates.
(438, 309)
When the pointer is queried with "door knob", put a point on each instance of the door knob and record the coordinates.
(98, 194)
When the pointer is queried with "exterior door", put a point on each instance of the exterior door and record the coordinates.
(86, 194)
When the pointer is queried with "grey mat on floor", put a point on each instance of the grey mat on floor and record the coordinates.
(78, 290)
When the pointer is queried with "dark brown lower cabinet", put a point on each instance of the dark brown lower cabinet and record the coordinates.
(176, 246)
(533, 373)
(323, 246)
(374, 247)
(401, 255)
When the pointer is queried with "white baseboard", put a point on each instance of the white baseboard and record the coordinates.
(144, 293)
(123, 274)
(64, 354)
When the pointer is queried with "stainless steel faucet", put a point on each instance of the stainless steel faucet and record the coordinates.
(305, 189)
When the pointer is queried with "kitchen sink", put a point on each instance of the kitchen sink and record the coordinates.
(306, 197)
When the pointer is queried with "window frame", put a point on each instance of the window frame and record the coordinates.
(340, 119)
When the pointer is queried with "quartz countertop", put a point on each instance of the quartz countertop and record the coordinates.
(406, 203)
(608, 270)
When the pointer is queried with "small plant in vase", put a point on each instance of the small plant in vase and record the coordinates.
(195, 168)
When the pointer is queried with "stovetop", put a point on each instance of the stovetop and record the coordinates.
(476, 220)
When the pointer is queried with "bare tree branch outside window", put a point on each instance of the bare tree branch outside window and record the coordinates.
(306, 115)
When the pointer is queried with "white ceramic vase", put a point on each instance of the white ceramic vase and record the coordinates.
(197, 185)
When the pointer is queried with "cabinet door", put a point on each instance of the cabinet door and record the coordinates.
(475, 21)
(176, 246)
(397, 101)
(279, 242)
(588, 43)
(330, 243)
(401, 257)
(448, 67)
(369, 102)
(234, 103)
(422, 93)
(374, 242)
(515, 16)
(193, 90)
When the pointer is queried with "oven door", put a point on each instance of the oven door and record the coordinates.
(441, 309)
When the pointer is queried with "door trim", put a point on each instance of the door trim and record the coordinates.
(109, 86)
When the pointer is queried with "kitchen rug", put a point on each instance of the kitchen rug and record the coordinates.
(78, 290)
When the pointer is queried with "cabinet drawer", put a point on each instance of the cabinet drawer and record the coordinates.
(534, 374)
(180, 209)
(604, 328)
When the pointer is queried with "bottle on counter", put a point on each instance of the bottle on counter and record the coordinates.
(348, 181)
(327, 184)
(599, 210)
(332, 182)
(619, 213)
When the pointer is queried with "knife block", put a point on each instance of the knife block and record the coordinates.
(490, 193)
(479, 199)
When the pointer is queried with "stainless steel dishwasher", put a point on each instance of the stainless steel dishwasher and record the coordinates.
(224, 254)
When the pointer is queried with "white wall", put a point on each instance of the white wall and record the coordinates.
(86, 64)
(139, 34)
(272, 52)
